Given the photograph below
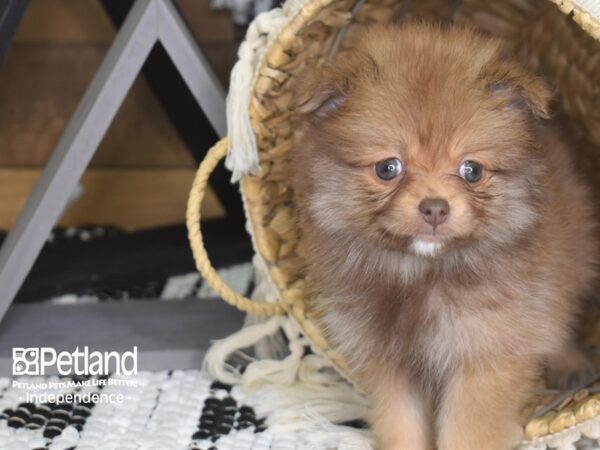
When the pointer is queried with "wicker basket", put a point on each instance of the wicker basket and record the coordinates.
(285, 43)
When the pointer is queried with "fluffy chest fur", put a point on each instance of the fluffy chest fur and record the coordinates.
(417, 316)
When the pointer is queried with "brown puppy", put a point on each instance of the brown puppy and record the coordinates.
(449, 238)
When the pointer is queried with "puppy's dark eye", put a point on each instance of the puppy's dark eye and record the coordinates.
(388, 169)
(471, 171)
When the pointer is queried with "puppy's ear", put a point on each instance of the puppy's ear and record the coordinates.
(323, 95)
(520, 90)
(329, 88)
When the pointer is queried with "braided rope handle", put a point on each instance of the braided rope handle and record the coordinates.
(214, 155)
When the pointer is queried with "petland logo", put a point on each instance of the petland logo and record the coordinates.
(37, 360)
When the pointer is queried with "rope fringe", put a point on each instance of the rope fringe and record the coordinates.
(301, 396)
(242, 157)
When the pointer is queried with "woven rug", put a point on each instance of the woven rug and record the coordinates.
(151, 411)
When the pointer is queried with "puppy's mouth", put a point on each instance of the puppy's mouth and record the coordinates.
(425, 244)
(428, 244)
(432, 238)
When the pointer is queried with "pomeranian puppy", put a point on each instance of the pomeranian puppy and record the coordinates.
(448, 237)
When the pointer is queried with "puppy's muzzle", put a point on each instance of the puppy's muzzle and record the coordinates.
(434, 211)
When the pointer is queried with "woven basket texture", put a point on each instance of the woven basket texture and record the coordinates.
(540, 33)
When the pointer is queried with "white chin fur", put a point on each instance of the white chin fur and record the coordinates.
(426, 248)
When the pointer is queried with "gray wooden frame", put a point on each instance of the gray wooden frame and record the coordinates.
(169, 334)
(148, 21)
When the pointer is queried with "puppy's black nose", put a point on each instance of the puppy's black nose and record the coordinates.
(434, 211)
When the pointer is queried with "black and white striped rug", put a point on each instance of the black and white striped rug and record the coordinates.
(150, 411)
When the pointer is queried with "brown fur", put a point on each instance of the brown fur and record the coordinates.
(448, 344)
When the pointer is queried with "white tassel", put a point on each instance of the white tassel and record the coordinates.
(242, 157)
(278, 372)
(309, 412)
(215, 362)
(304, 397)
